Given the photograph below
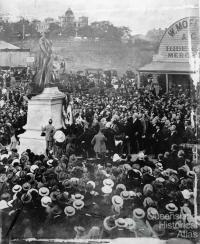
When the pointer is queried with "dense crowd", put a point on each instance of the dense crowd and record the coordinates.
(13, 106)
(121, 171)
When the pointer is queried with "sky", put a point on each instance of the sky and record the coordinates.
(139, 15)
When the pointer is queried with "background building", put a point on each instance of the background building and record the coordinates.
(68, 19)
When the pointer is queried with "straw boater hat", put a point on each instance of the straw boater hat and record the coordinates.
(124, 195)
(26, 198)
(33, 168)
(171, 207)
(77, 196)
(120, 222)
(132, 194)
(69, 211)
(152, 213)
(78, 204)
(15, 161)
(148, 189)
(32, 190)
(66, 183)
(138, 213)
(109, 223)
(16, 188)
(117, 201)
(26, 186)
(191, 174)
(49, 162)
(43, 191)
(130, 224)
(74, 181)
(92, 183)
(148, 202)
(108, 182)
(54, 194)
(121, 187)
(160, 179)
(31, 176)
(45, 201)
(106, 189)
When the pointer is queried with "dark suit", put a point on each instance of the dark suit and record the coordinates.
(49, 133)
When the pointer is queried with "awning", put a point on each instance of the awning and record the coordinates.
(167, 67)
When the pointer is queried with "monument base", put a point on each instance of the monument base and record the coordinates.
(32, 140)
(41, 108)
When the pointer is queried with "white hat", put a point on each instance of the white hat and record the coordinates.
(33, 168)
(15, 161)
(120, 222)
(16, 188)
(78, 204)
(130, 224)
(117, 201)
(4, 156)
(105, 223)
(49, 162)
(69, 211)
(152, 213)
(171, 207)
(106, 189)
(74, 180)
(45, 201)
(124, 195)
(77, 196)
(186, 194)
(92, 183)
(141, 155)
(132, 194)
(108, 182)
(116, 158)
(138, 213)
(160, 179)
(43, 191)
(59, 136)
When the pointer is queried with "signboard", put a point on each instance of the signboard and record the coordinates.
(180, 41)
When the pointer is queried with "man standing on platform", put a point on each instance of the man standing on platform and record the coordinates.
(49, 133)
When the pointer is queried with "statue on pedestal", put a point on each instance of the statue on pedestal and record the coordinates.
(44, 76)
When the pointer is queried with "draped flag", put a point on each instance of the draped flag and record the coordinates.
(68, 115)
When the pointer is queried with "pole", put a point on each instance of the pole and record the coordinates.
(138, 80)
(1, 233)
(167, 84)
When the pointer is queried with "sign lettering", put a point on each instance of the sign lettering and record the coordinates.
(181, 41)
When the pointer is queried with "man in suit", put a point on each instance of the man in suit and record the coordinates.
(49, 133)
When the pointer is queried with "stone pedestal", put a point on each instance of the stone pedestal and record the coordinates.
(41, 108)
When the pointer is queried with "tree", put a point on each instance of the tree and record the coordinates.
(155, 34)
(69, 30)
(106, 30)
(54, 29)
(86, 31)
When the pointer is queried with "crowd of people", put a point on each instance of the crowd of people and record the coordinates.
(121, 169)
(13, 106)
